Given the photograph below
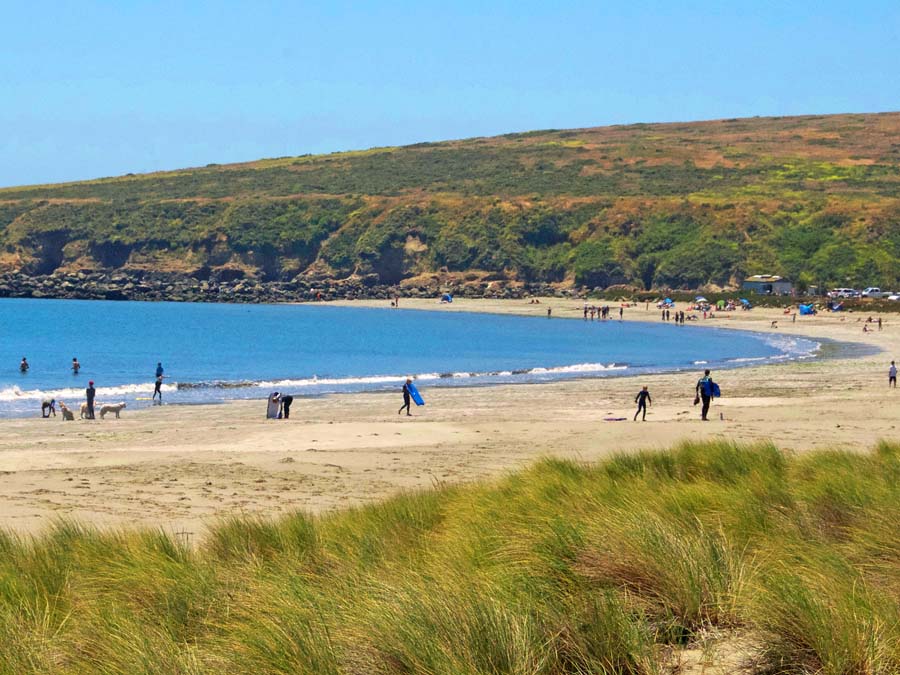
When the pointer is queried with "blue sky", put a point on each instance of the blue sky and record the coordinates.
(91, 89)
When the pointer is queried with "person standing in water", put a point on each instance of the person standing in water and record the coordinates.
(643, 400)
(75, 366)
(892, 376)
(23, 366)
(157, 385)
(89, 394)
(407, 399)
(704, 393)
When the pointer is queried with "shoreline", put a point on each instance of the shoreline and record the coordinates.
(182, 466)
(378, 382)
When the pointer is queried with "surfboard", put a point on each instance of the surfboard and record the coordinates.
(414, 393)
(716, 392)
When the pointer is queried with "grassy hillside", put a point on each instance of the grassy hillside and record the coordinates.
(654, 205)
(644, 564)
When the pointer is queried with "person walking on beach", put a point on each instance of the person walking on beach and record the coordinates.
(75, 366)
(642, 400)
(23, 366)
(621, 313)
(406, 398)
(89, 394)
(892, 376)
(704, 393)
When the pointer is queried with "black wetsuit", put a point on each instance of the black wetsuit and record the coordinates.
(406, 400)
(157, 388)
(705, 391)
(286, 405)
(642, 399)
(89, 393)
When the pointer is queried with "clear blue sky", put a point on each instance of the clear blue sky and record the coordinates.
(92, 89)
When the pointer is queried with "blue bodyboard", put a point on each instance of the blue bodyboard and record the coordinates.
(414, 393)
(711, 389)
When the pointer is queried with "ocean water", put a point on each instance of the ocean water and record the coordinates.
(216, 352)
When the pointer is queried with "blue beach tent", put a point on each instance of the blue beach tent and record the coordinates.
(446, 297)
(807, 310)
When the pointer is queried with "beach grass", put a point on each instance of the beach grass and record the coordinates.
(624, 566)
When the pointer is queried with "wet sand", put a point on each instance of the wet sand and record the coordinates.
(181, 467)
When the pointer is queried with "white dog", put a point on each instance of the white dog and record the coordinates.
(84, 410)
(68, 415)
(111, 408)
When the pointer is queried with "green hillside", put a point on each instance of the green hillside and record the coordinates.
(816, 199)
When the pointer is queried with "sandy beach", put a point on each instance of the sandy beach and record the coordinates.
(179, 467)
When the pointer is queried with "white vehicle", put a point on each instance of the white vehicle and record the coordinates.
(873, 292)
(894, 297)
(841, 293)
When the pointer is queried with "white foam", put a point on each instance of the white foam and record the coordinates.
(580, 368)
(15, 393)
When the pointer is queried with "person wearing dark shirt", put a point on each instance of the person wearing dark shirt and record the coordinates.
(704, 393)
(75, 366)
(406, 397)
(89, 393)
(48, 407)
(24, 365)
(159, 370)
(642, 400)
(286, 401)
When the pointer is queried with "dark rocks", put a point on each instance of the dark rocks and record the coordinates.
(234, 288)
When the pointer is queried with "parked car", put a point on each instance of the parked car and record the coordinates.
(842, 293)
(873, 292)
(894, 297)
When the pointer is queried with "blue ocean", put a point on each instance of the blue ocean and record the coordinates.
(216, 352)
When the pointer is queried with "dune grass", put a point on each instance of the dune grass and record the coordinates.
(563, 568)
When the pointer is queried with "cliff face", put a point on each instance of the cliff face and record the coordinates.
(816, 199)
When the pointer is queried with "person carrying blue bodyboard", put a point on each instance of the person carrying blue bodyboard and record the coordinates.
(410, 393)
(705, 391)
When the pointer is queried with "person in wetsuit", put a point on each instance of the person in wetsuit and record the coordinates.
(23, 367)
(704, 393)
(406, 397)
(75, 366)
(643, 400)
(48, 407)
(157, 388)
(89, 393)
(286, 401)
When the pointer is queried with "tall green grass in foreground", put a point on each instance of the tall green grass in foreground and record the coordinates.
(614, 567)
